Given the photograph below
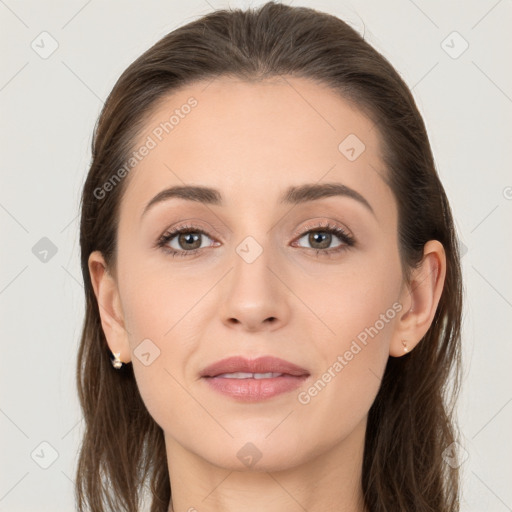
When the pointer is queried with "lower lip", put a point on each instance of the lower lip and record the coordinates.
(252, 390)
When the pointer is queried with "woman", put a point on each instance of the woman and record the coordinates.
(271, 266)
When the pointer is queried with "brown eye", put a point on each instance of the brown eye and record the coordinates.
(322, 239)
(183, 241)
(319, 239)
(190, 240)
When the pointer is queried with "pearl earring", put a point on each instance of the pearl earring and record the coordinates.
(116, 362)
(404, 343)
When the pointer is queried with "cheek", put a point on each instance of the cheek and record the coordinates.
(162, 312)
(361, 309)
(345, 386)
(156, 298)
(359, 294)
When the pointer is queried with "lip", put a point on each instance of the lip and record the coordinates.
(265, 364)
(250, 389)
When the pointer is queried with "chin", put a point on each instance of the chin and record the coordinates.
(257, 455)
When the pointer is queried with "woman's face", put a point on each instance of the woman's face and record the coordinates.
(258, 274)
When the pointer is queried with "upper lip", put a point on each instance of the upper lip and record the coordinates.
(265, 364)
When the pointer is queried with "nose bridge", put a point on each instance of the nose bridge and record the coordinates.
(251, 275)
(253, 248)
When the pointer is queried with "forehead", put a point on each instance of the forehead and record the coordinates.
(252, 140)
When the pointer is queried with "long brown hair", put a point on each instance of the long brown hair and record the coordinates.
(411, 422)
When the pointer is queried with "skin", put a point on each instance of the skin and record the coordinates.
(252, 141)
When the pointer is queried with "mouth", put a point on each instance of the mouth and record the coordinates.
(254, 379)
(247, 375)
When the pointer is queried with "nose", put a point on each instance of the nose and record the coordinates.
(254, 297)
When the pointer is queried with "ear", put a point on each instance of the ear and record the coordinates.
(420, 299)
(111, 314)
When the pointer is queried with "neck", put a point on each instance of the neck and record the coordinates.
(329, 481)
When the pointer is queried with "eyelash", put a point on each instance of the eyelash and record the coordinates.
(347, 239)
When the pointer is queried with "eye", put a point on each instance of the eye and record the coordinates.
(183, 241)
(321, 237)
(188, 240)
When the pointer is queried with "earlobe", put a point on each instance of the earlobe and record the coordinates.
(423, 295)
(109, 304)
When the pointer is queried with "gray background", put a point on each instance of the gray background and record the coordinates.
(49, 107)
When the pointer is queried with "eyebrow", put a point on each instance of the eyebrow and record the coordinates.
(293, 195)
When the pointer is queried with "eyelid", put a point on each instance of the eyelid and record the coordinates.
(191, 224)
(312, 224)
(176, 229)
(323, 222)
